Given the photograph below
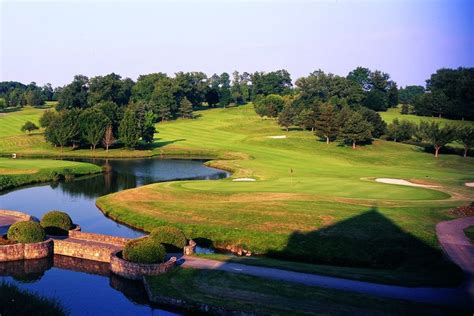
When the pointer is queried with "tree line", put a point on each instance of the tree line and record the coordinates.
(16, 94)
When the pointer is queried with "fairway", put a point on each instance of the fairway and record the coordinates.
(394, 113)
(311, 201)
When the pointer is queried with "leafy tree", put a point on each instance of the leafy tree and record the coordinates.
(192, 85)
(275, 82)
(47, 117)
(436, 134)
(33, 97)
(374, 118)
(432, 104)
(29, 127)
(361, 76)
(401, 130)
(326, 124)
(269, 106)
(63, 129)
(465, 135)
(163, 101)
(110, 87)
(148, 128)
(145, 85)
(186, 108)
(286, 117)
(408, 94)
(109, 137)
(74, 95)
(93, 123)
(356, 129)
(225, 96)
(376, 100)
(129, 130)
(113, 112)
(47, 92)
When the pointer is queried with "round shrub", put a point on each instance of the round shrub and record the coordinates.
(171, 237)
(26, 232)
(56, 223)
(144, 250)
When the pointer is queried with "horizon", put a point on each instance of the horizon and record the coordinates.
(410, 41)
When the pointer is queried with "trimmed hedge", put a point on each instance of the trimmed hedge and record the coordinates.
(171, 237)
(144, 250)
(26, 232)
(56, 223)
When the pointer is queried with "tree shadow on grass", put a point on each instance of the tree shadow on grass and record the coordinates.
(158, 144)
(368, 240)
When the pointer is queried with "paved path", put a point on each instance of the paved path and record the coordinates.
(445, 296)
(459, 248)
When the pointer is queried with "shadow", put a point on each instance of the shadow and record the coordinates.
(367, 240)
(158, 144)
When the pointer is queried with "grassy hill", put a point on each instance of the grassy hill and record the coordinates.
(311, 201)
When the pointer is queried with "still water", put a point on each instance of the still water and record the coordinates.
(89, 289)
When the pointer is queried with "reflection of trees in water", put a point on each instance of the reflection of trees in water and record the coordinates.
(126, 174)
(133, 290)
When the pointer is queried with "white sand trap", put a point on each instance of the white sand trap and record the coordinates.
(277, 136)
(244, 180)
(404, 182)
(469, 184)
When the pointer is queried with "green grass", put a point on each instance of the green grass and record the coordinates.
(16, 172)
(469, 232)
(327, 211)
(249, 294)
(393, 113)
(18, 302)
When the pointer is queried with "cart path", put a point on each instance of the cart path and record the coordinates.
(459, 248)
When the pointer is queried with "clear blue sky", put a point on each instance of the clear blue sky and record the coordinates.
(53, 41)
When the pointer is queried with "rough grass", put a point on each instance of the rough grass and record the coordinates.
(18, 302)
(249, 294)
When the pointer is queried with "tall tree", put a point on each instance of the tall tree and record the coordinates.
(63, 129)
(286, 117)
(93, 124)
(75, 94)
(465, 135)
(374, 118)
(436, 134)
(186, 108)
(326, 124)
(356, 129)
(225, 96)
(109, 137)
(129, 130)
(163, 101)
(148, 128)
(110, 87)
(143, 88)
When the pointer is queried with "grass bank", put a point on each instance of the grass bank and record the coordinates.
(469, 232)
(249, 294)
(17, 172)
(18, 302)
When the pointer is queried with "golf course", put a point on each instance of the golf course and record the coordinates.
(317, 206)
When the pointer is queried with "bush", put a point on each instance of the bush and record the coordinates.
(56, 223)
(171, 237)
(26, 232)
(144, 250)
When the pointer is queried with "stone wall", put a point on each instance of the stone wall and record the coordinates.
(121, 241)
(26, 251)
(89, 250)
(22, 216)
(136, 271)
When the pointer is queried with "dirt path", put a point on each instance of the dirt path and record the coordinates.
(444, 296)
(459, 248)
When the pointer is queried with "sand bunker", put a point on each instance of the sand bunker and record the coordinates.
(277, 136)
(244, 180)
(469, 184)
(404, 182)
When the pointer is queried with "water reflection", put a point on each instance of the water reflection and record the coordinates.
(87, 287)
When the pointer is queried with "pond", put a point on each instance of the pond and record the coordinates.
(54, 278)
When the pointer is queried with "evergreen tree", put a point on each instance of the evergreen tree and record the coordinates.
(356, 129)
(148, 128)
(286, 117)
(129, 130)
(326, 124)
(186, 108)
